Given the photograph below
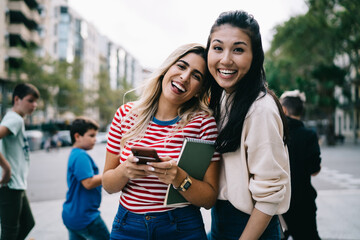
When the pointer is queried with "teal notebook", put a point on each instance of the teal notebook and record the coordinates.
(194, 158)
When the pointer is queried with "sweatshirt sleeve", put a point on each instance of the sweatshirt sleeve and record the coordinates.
(116, 131)
(267, 156)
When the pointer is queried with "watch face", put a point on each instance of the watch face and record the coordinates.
(187, 185)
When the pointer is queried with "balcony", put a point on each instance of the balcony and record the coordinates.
(14, 52)
(19, 6)
(32, 3)
(17, 17)
(25, 33)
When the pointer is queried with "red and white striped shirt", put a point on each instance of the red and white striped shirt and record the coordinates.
(147, 194)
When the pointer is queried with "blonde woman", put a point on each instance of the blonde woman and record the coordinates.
(171, 108)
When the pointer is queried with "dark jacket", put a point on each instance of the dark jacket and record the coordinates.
(304, 154)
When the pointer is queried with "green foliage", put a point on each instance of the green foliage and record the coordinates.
(31, 66)
(327, 78)
(70, 96)
(306, 49)
(110, 99)
(57, 81)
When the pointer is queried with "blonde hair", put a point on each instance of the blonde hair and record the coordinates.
(145, 108)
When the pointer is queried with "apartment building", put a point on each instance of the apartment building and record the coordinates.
(62, 34)
(19, 22)
(121, 65)
(70, 36)
(347, 114)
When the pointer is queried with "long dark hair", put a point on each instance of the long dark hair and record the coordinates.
(247, 90)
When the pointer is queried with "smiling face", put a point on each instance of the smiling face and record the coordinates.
(183, 80)
(230, 56)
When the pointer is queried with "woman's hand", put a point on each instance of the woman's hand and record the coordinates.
(134, 170)
(117, 175)
(6, 175)
(166, 170)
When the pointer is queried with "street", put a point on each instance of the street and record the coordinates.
(47, 177)
(338, 186)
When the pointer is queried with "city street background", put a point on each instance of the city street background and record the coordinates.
(338, 186)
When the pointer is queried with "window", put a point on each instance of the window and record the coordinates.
(63, 9)
(55, 29)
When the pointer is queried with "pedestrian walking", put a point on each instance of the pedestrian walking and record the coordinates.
(15, 213)
(305, 160)
(81, 214)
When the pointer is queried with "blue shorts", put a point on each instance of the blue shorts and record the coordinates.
(181, 223)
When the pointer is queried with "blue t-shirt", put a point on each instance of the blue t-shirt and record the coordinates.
(81, 205)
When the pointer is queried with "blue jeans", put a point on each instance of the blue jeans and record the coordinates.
(96, 230)
(228, 223)
(181, 223)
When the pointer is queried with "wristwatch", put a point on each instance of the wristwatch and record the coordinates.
(184, 185)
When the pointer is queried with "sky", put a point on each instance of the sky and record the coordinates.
(151, 29)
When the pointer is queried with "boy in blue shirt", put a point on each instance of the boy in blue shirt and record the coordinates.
(15, 213)
(81, 214)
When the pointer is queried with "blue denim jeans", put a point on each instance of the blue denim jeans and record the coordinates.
(96, 230)
(181, 223)
(228, 223)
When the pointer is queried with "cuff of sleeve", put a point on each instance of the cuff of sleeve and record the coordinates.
(267, 208)
(85, 177)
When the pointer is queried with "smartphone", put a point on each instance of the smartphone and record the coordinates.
(145, 154)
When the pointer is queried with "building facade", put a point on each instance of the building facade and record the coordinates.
(19, 22)
(62, 34)
(347, 114)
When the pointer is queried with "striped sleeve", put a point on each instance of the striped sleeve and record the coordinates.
(115, 132)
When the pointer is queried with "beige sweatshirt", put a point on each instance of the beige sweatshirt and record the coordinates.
(258, 173)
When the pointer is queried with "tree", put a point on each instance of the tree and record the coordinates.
(110, 99)
(306, 49)
(70, 96)
(57, 81)
(31, 70)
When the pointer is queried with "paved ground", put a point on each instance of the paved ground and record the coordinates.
(338, 201)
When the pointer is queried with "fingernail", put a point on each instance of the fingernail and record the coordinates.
(151, 169)
(136, 159)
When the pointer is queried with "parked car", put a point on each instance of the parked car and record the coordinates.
(64, 138)
(101, 137)
(35, 139)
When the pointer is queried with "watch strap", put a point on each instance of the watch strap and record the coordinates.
(184, 185)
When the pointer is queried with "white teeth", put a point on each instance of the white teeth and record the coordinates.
(178, 86)
(227, 71)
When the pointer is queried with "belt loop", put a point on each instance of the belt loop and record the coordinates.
(171, 216)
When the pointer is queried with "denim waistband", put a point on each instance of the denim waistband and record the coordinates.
(171, 214)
